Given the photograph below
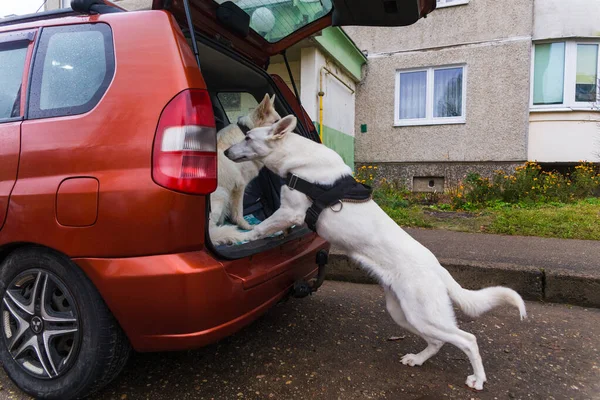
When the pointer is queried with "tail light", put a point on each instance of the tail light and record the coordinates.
(184, 158)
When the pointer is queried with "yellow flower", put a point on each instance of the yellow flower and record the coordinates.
(375, 167)
(535, 179)
(363, 167)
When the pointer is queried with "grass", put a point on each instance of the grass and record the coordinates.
(579, 220)
(572, 221)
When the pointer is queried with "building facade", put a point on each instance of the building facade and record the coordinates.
(475, 87)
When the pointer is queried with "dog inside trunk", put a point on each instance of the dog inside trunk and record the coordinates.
(237, 87)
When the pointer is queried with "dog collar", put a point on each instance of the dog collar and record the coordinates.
(243, 128)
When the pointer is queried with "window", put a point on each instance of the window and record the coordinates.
(565, 75)
(448, 3)
(12, 65)
(586, 72)
(72, 70)
(430, 96)
(276, 19)
(549, 69)
(237, 104)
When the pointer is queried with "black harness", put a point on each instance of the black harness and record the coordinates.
(323, 196)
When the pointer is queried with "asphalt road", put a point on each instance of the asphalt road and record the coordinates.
(334, 345)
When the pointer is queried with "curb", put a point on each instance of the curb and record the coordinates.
(532, 283)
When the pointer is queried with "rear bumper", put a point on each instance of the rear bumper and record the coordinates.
(188, 300)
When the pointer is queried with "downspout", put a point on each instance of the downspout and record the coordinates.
(322, 93)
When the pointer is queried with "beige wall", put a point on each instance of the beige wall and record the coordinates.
(497, 110)
(566, 18)
(477, 21)
(564, 136)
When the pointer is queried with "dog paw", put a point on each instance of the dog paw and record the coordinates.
(412, 360)
(243, 224)
(474, 382)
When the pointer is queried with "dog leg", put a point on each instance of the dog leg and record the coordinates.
(441, 330)
(281, 219)
(218, 204)
(237, 209)
(395, 310)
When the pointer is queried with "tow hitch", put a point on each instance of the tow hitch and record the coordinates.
(304, 288)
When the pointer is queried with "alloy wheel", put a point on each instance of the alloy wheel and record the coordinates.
(40, 324)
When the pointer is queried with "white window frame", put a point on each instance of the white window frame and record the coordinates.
(569, 79)
(450, 3)
(429, 119)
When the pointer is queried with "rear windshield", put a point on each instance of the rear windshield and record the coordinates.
(276, 19)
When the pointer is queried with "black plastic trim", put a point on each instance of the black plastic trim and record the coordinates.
(233, 252)
(36, 44)
(19, 36)
(11, 119)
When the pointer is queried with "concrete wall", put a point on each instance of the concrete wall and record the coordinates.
(564, 136)
(566, 18)
(476, 21)
(497, 107)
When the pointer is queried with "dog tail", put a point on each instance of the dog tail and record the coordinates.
(477, 302)
(225, 234)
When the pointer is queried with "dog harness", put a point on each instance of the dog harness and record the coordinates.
(345, 189)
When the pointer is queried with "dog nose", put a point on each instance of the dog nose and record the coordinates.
(226, 152)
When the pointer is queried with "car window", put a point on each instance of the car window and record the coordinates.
(12, 65)
(237, 104)
(276, 19)
(72, 70)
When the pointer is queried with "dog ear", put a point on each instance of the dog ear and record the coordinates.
(262, 108)
(273, 101)
(283, 126)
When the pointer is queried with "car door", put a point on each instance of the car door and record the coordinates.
(260, 29)
(15, 52)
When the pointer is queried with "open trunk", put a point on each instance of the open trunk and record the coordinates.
(235, 40)
(236, 87)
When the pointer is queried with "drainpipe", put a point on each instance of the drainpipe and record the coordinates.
(321, 93)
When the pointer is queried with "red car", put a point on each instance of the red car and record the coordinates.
(103, 233)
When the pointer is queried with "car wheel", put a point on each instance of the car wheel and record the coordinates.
(59, 340)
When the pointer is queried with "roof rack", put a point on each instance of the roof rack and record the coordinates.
(19, 19)
(77, 7)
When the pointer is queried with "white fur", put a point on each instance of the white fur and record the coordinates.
(228, 200)
(418, 290)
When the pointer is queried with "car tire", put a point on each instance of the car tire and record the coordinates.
(77, 348)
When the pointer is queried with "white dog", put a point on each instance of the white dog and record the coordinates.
(418, 290)
(228, 200)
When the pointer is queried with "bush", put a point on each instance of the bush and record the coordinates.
(366, 174)
(527, 186)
